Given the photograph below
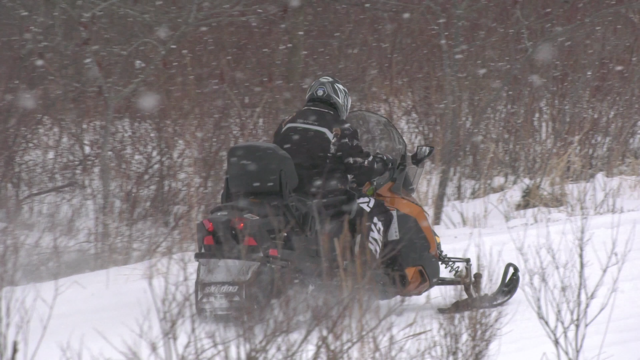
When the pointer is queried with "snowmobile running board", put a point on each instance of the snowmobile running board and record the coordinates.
(505, 291)
(447, 281)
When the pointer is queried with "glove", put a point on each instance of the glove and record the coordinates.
(381, 164)
(381, 167)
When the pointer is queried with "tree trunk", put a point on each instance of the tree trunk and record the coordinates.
(105, 177)
(295, 24)
(445, 172)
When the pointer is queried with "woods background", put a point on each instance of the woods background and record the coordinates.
(115, 115)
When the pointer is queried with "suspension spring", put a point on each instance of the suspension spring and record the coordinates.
(448, 263)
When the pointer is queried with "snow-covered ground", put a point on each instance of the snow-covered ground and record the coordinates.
(98, 313)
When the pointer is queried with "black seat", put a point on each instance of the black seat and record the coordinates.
(260, 169)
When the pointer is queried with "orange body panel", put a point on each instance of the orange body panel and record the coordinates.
(417, 279)
(409, 206)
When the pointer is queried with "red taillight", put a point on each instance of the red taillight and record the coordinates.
(208, 240)
(208, 225)
(237, 223)
(249, 241)
(273, 252)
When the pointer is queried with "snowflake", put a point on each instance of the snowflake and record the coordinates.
(536, 80)
(545, 53)
(148, 101)
(163, 32)
(26, 100)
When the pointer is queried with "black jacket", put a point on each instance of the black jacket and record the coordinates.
(324, 149)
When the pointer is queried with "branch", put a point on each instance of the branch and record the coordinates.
(14, 350)
(53, 189)
(97, 9)
(143, 41)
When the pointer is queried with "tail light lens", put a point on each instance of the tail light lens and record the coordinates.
(208, 225)
(208, 240)
(238, 223)
(249, 241)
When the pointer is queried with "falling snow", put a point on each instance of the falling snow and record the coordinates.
(148, 101)
(295, 3)
(163, 32)
(26, 100)
(536, 80)
(545, 53)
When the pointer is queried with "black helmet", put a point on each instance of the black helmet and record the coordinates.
(328, 89)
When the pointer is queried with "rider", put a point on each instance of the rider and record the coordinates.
(328, 157)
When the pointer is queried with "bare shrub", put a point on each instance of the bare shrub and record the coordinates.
(571, 279)
(534, 196)
(25, 312)
(468, 335)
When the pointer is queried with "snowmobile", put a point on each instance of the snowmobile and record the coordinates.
(263, 235)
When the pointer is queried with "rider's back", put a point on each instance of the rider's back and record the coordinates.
(307, 137)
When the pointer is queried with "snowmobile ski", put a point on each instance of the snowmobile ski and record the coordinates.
(505, 291)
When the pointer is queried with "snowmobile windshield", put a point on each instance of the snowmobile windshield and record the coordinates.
(377, 134)
(412, 178)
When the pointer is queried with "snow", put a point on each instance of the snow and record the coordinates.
(295, 3)
(536, 80)
(26, 100)
(148, 101)
(101, 311)
(545, 53)
(523, 337)
(163, 32)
